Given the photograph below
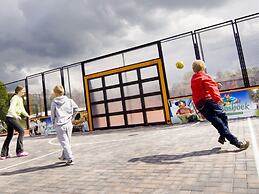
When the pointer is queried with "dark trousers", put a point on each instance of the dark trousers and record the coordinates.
(218, 118)
(13, 124)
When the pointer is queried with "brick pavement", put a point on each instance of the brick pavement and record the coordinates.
(162, 159)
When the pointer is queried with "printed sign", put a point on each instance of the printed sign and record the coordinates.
(239, 104)
(183, 111)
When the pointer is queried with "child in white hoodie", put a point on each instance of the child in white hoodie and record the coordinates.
(63, 111)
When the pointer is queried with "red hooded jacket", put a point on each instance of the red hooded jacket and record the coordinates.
(204, 88)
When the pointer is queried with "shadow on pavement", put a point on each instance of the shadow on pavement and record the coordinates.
(34, 169)
(172, 159)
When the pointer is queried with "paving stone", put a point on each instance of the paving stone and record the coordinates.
(183, 159)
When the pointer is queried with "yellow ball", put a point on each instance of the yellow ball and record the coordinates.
(179, 64)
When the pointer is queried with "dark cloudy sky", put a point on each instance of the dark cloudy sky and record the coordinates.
(39, 35)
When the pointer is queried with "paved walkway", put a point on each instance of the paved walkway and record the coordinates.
(162, 159)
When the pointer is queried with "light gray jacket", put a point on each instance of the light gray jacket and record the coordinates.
(63, 110)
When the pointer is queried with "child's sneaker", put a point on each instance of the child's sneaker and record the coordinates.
(2, 157)
(22, 154)
(69, 162)
(221, 139)
(243, 145)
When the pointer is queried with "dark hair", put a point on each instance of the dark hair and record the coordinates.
(18, 89)
(177, 103)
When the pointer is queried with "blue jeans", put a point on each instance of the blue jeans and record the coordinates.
(13, 124)
(218, 118)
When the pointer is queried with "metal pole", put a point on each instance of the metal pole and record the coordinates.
(83, 79)
(62, 79)
(201, 48)
(160, 52)
(28, 102)
(195, 46)
(240, 55)
(44, 94)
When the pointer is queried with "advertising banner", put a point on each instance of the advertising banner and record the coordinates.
(238, 104)
(241, 104)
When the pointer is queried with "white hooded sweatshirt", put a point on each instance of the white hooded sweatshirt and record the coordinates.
(63, 110)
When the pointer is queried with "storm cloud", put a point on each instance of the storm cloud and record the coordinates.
(40, 35)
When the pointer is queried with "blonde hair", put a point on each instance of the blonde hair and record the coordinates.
(58, 90)
(198, 65)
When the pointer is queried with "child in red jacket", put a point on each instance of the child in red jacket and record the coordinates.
(207, 99)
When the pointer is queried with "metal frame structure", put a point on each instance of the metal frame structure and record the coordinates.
(123, 98)
(197, 46)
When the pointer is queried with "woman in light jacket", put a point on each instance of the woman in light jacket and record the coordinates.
(13, 118)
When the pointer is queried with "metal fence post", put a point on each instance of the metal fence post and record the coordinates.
(83, 79)
(44, 94)
(240, 54)
(195, 46)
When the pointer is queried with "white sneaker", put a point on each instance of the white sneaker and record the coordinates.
(2, 157)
